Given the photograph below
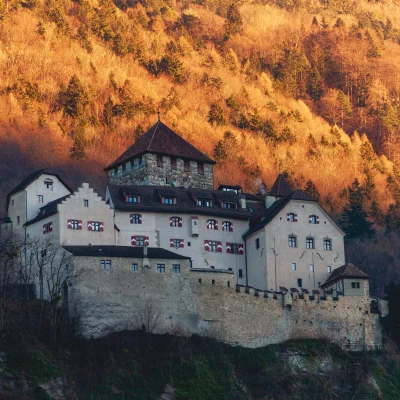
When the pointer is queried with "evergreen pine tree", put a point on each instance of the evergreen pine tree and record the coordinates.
(314, 88)
(315, 21)
(354, 216)
(234, 22)
(392, 219)
(108, 113)
(219, 151)
(74, 99)
(216, 115)
(312, 190)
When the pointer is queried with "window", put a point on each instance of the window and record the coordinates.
(227, 226)
(48, 183)
(294, 266)
(74, 224)
(86, 203)
(213, 245)
(310, 243)
(329, 269)
(123, 169)
(133, 199)
(40, 198)
(228, 204)
(173, 163)
(312, 219)
(175, 222)
(18, 219)
(200, 281)
(95, 226)
(159, 161)
(12, 202)
(200, 168)
(355, 285)
(168, 200)
(135, 267)
(311, 268)
(186, 166)
(234, 248)
(328, 244)
(161, 268)
(140, 163)
(257, 243)
(240, 273)
(299, 283)
(177, 243)
(291, 217)
(105, 264)
(228, 283)
(176, 268)
(204, 203)
(136, 219)
(292, 241)
(212, 224)
(132, 165)
(139, 240)
(213, 282)
(115, 172)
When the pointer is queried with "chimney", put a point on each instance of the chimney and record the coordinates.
(243, 202)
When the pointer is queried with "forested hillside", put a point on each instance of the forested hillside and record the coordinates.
(306, 87)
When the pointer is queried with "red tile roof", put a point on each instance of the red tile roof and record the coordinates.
(161, 140)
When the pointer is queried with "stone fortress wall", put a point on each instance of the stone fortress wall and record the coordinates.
(109, 300)
(151, 174)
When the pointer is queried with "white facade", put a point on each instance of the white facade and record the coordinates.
(273, 263)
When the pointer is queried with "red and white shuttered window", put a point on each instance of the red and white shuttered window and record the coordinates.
(227, 226)
(175, 222)
(291, 217)
(140, 241)
(212, 224)
(177, 243)
(234, 248)
(313, 219)
(135, 219)
(213, 246)
(75, 224)
(95, 226)
(47, 228)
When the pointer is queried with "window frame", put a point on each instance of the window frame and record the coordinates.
(313, 219)
(329, 269)
(174, 222)
(168, 200)
(140, 238)
(212, 224)
(226, 226)
(326, 241)
(240, 273)
(213, 244)
(161, 268)
(85, 203)
(135, 267)
(95, 226)
(49, 183)
(232, 205)
(176, 268)
(40, 198)
(204, 203)
(136, 219)
(294, 266)
(292, 217)
(312, 241)
(104, 264)
(74, 224)
(133, 198)
(292, 239)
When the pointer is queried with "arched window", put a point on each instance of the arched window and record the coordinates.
(292, 241)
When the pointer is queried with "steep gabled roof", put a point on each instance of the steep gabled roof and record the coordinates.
(281, 187)
(47, 210)
(345, 271)
(31, 178)
(123, 251)
(276, 208)
(161, 140)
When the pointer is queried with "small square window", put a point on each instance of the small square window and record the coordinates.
(40, 198)
(189, 244)
(168, 200)
(353, 285)
(86, 203)
(176, 268)
(294, 266)
(329, 269)
(161, 268)
(135, 267)
(105, 264)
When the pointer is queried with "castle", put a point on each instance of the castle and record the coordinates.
(254, 269)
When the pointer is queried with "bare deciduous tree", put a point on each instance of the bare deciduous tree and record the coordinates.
(147, 317)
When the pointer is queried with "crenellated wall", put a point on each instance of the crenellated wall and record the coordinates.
(107, 301)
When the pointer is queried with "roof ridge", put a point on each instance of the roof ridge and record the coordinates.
(152, 137)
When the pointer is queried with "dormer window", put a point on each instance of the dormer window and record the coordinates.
(169, 200)
(133, 198)
(204, 203)
(48, 183)
(230, 204)
(200, 168)
(173, 163)
(313, 219)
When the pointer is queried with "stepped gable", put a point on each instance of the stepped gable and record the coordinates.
(123, 251)
(31, 178)
(161, 140)
(186, 200)
(47, 210)
(276, 208)
(281, 187)
(348, 270)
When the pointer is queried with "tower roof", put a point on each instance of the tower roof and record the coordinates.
(161, 140)
(345, 271)
(281, 187)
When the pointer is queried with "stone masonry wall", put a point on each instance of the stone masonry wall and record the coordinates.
(107, 301)
(151, 174)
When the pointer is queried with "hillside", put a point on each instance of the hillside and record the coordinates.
(309, 88)
(135, 366)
